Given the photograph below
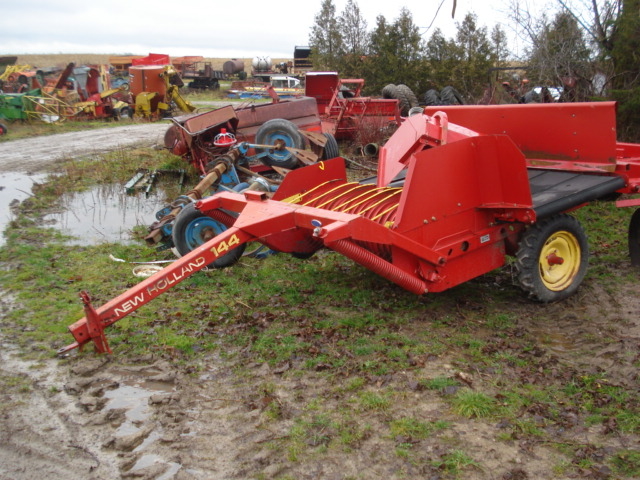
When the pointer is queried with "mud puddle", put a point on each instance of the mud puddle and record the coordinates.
(105, 213)
(133, 395)
(150, 461)
(14, 188)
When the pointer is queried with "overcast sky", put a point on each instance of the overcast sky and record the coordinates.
(211, 28)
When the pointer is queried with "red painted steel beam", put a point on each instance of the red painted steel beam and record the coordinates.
(91, 327)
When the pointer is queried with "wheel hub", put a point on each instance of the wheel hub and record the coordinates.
(559, 260)
(554, 259)
(207, 234)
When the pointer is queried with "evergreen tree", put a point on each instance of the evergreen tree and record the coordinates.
(625, 57)
(395, 53)
(380, 56)
(443, 57)
(500, 47)
(355, 39)
(407, 35)
(325, 39)
(560, 57)
(476, 57)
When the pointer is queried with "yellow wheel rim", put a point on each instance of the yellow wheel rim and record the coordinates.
(559, 260)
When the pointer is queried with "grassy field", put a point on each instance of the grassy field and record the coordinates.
(350, 371)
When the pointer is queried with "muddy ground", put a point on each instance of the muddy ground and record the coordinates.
(102, 417)
(38, 153)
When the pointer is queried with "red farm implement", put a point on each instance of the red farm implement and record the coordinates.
(450, 202)
(211, 142)
(344, 112)
(192, 136)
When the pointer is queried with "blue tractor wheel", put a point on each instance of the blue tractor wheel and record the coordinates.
(279, 131)
(192, 228)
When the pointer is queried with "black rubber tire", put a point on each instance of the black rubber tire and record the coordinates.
(3, 129)
(404, 95)
(401, 93)
(389, 92)
(557, 234)
(331, 149)
(432, 97)
(450, 96)
(408, 97)
(346, 92)
(126, 112)
(634, 238)
(192, 228)
(280, 129)
(415, 111)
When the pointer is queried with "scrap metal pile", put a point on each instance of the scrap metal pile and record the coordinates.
(235, 150)
(151, 91)
(76, 92)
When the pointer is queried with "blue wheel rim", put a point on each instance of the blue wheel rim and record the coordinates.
(200, 228)
(279, 155)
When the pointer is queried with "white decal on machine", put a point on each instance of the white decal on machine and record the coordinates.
(158, 287)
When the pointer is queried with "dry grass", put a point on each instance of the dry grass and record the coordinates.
(62, 60)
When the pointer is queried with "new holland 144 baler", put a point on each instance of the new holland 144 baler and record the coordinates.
(457, 191)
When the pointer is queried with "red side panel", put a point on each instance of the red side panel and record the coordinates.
(452, 188)
(303, 179)
(575, 136)
(152, 59)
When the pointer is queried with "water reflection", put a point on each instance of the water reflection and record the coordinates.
(104, 214)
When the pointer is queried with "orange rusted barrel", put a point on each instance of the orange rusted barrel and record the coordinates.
(147, 78)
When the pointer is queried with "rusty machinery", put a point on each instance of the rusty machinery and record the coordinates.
(342, 109)
(156, 91)
(231, 166)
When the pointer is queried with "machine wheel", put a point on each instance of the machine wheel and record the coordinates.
(192, 228)
(552, 258)
(331, 149)
(432, 97)
(346, 92)
(126, 112)
(404, 95)
(3, 129)
(634, 238)
(407, 99)
(278, 130)
(390, 92)
(415, 111)
(450, 96)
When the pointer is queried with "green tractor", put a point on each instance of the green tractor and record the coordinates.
(13, 106)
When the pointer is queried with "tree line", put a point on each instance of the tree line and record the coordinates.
(582, 51)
